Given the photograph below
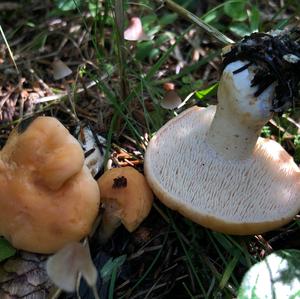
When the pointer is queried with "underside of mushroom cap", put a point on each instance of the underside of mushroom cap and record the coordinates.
(231, 196)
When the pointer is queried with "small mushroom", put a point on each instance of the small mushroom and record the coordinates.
(135, 31)
(171, 99)
(60, 70)
(65, 265)
(126, 198)
(48, 197)
(210, 165)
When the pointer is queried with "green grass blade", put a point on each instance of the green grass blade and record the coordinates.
(229, 269)
(151, 265)
(189, 260)
(112, 283)
(9, 50)
(223, 39)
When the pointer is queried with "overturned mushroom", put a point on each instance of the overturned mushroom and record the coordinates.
(126, 198)
(210, 164)
(48, 198)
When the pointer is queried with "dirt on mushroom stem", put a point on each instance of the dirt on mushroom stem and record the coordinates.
(276, 56)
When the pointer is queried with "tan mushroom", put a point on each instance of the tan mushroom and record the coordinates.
(210, 165)
(126, 198)
(171, 99)
(48, 198)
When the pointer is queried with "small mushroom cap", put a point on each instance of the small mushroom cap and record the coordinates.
(60, 70)
(48, 198)
(126, 195)
(135, 31)
(237, 197)
(171, 100)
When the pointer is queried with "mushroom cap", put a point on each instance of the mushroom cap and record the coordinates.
(171, 100)
(126, 195)
(60, 70)
(135, 31)
(240, 197)
(48, 198)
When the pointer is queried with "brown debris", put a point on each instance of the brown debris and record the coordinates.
(24, 275)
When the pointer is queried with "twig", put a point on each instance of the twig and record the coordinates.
(292, 121)
(63, 94)
(280, 128)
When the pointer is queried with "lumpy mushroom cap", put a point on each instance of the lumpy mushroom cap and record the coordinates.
(125, 195)
(48, 198)
(231, 196)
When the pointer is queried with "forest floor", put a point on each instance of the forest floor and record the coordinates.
(117, 88)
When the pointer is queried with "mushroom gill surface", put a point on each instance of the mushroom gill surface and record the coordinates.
(232, 196)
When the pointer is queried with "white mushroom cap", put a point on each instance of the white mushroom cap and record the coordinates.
(242, 196)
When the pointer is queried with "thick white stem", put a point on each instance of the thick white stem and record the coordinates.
(231, 140)
(240, 115)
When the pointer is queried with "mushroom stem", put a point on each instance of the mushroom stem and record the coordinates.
(230, 139)
(240, 115)
(108, 226)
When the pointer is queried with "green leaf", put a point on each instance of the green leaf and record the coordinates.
(65, 5)
(230, 268)
(93, 8)
(201, 94)
(148, 21)
(154, 53)
(240, 29)
(163, 38)
(112, 266)
(266, 132)
(281, 24)
(277, 276)
(297, 140)
(168, 19)
(236, 10)
(6, 250)
(187, 80)
(254, 19)
(212, 16)
(297, 154)
(143, 49)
